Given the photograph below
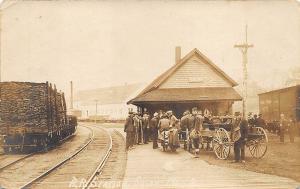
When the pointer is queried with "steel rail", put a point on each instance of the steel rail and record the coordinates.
(16, 161)
(31, 154)
(30, 183)
(101, 164)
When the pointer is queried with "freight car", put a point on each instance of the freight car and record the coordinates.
(33, 116)
(282, 101)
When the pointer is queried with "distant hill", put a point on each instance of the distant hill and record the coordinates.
(108, 95)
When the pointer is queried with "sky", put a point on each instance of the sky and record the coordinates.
(102, 43)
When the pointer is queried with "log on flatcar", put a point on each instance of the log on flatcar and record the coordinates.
(33, 116)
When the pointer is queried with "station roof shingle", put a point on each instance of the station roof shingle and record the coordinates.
(188, 94)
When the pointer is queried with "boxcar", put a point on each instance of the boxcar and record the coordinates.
(33, 116)
(282, 101)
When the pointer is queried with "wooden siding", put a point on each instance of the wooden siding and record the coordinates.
(195, 73)
(272, 104)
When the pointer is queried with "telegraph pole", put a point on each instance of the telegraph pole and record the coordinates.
(244, 49)
(96, 110)
(71, 97)
(0, 45)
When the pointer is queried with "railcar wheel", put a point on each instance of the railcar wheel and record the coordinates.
(221, 143)
(6, 149)
(258, 146)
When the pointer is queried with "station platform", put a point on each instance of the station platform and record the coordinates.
(148, 169)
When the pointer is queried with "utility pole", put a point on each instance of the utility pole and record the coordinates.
(71, 97)
(244, 49)
(0, 45)
(96, 110)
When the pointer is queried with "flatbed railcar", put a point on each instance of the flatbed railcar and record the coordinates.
(33, 116)
(282, 101)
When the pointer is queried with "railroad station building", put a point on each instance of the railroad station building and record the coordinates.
(193, 81)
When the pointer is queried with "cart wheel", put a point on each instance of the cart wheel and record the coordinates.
(221, 143)
(258, 147)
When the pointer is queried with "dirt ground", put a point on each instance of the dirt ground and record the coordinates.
(280, 159)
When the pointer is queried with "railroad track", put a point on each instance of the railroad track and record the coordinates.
(23, 157)
(78, 169)
(102, 158)
(20, 171)
(15, 161)
(111, 171)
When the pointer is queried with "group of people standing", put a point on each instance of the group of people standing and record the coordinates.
(286, 125)
(137, 128)
(141, 129)
(256, 120)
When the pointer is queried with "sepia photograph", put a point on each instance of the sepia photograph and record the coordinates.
(150, 94)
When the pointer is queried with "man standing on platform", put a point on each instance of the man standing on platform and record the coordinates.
(140, 129)
(154, 128)
(136, 128)
(129, 129)
(197, 127)
(282, 127)
(292, 128)
(146, 126)
(240, 134)
(173, 119)
(184, 125)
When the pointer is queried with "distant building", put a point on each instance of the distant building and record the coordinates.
(194, 81)
(77, 113)
(106, 103)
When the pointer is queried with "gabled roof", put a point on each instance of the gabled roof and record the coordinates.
(160, 79)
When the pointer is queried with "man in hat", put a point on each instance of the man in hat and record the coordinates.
(292, 128)
(197, 127)
(173, 136)
(146, 127)
(240, 134)
(154, 127)
(140, 132)
(163, 125)
(129, 129)
(136, 127)
(260, 121)
(184, 124)
(255, 120)
(282, 127)
(173, 119)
